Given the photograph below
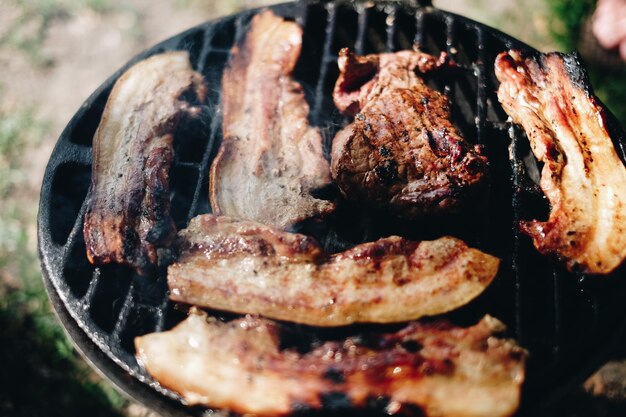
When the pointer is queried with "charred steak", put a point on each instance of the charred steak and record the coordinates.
(402, 152)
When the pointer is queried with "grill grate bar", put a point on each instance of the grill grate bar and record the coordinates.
(558, 290)
(122, 317)
(450, 36)
(516, 265)
(328, 43)
(161, 313)
(420, 17)
(391, 25)
(479, 121)
(87, 299)
(303, 14)
(449, 90)
(215, 50)
(481, 87)
(622, 148)
(501, 126)
(359, 46)
(185, 164)
(206, 50)
(203, 172)
(77, 228)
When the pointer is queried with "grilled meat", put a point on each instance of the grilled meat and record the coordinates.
(247, 267)
(444, 370)
(270, 159)
(402, 152)
(582, 176)
(128, 216)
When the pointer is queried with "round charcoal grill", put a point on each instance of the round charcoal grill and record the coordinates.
(569, 323)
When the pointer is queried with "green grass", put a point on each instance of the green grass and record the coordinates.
(27, 33)
(41, 372)
(568, 17)
(611, 89)
(567, 20)
(17, 131)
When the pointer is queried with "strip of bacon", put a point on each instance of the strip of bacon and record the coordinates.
(270, 159)
(128, 217)
(582, 176)
(444, 370)
(248, 267)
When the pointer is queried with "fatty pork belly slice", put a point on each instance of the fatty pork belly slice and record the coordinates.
(443, 370)
(128, 214)
(582, 177)
(247, 267)
(270, 159)
(401, 153)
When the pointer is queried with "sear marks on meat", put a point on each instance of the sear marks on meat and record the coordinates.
(443, 370)
(270, 159)
(582, 177)
(247, 267)
(128, 216)
(402, 152)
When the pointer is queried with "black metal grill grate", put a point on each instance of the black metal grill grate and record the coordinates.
(567, 322)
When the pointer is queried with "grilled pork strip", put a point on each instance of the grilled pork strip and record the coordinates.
(444, 370)
(582, 177)
(270, 159)
(402, 153)
(128, 217)
(248, 267)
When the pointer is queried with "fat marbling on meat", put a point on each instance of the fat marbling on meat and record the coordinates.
(270, 159)
(582, 176)
(401, 153)
(128, 214)
(441, 369)
(247, 267)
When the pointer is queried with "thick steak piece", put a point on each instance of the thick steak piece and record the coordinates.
(401, 153)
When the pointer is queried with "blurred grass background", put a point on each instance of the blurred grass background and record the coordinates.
(53, 53)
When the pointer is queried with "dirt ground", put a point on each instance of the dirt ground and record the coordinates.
(60, 56)
(80, 47)
(54, 53)
(85, 41)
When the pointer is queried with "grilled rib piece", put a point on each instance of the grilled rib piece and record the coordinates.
(444, 370)
(128, 217)
(247, 267)
(270, 159)
(402, 152)
(582, 176)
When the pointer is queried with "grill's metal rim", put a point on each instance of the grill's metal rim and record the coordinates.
(109, 363)
(102, 363)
